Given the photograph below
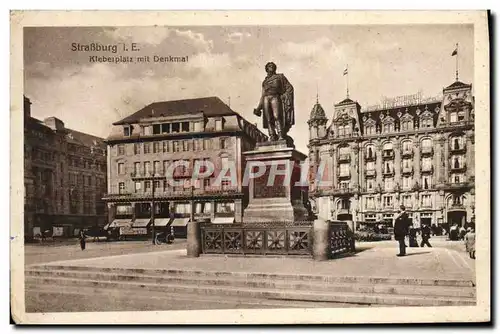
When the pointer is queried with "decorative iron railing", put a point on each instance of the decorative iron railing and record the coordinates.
(273, 238)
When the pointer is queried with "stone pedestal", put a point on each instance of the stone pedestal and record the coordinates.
(279, 199)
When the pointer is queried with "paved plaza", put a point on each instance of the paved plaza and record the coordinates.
(377, 259)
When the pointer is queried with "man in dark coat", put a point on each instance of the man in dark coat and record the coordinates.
(401, 229)
(426, 235)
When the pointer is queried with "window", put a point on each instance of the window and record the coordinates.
(137, 148)
(206, 182)
(407, 146)
(207, 144)
(370, 152)
(165, 167)
(427, 143)
(175, 127)
(156, 129)
(388, 127)
(147, 148)
(121, 168)
(147, 166)
(198, 145)
(165, 128)
(453, 117)
(406, 164)
(406, 125)
(461, 116)
(147, 186)
(388, 184)
(166, 147)
(156, 184)
(370, 130)
(426, 182)
(426, 201)
(387, 201)
(156, 147)
(344, 169)
(370, 203)
(137, 187)
(218, 124)
(185, 127)
(137, 168)
(426, 163)
(126, 131)
(121, 187)
(370, 184)
(225, 207)
(344, 204)
(226, 184)
(407, 201)
(426, 123)
(156, 167)
(186, 145)
(176, 146)
(389, 167)
(121, 149)
(406, 182)
(223, 143)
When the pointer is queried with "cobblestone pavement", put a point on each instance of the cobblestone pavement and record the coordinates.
(70, 250)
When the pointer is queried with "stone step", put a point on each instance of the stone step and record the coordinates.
(269, 276)
(279, 294)
(99, 299)
(444, 291)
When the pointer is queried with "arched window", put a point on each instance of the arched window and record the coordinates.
(427, 143)
(456, 144)
(370, 152)
(457, 163)
(370, 130)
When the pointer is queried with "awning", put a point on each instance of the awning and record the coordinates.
(180, 222)
(223, 220)
(119, 223)
(161, 222)
(141, 222)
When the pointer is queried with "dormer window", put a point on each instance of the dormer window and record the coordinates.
(127, 130)
(176, 127)
(185, 126)
(370, 130)
(426, 123)
(388, 127)
(156, 129)
(218, 124)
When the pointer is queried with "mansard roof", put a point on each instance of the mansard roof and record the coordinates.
(397, 112)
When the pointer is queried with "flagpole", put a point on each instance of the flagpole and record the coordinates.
(456, 65)
(347, 69)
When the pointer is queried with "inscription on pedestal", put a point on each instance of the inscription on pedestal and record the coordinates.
(263, 190)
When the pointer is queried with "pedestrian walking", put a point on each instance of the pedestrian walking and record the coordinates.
(426, 235)
(401, 229)
(82, 239)
(470, 243)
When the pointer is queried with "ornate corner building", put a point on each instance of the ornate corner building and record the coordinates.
(413, 152)
(167, 138)
(64, 177)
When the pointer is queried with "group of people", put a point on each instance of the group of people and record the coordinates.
(403, 227)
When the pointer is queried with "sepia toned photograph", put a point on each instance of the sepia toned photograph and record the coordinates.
(231, 168)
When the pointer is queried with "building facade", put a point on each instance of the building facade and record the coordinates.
(414, 152)
(64, 177)
(153, 152)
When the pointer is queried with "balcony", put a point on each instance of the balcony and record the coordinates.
(407, 170)
(344, 175)
(343, 212)
(344, 157)
(371, 157)
(427, 150)
(459, 168)
(172, 193)
(458, 149)
(388, 154)
(388, 173)
(427, 169)
(343, 191)
(371, 173)
(455, 186)
(407, 153)
(146, 175)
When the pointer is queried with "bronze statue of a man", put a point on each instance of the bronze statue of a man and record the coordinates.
(277, 103)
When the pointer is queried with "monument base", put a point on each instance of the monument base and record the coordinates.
(276, 197)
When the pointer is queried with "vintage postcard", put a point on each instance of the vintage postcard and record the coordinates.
(250, 167)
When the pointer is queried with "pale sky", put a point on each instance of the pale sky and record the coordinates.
(229, 62)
